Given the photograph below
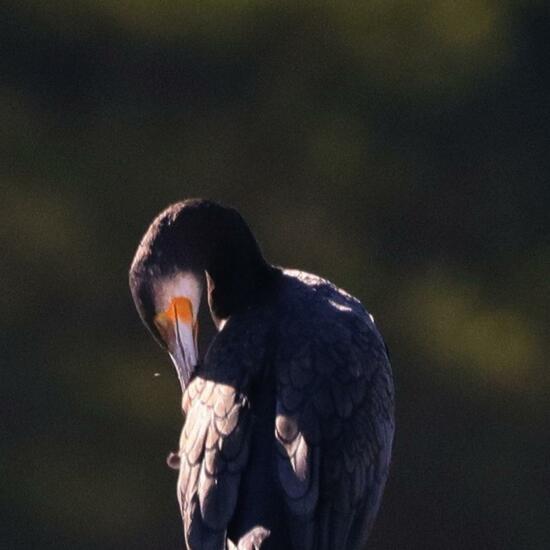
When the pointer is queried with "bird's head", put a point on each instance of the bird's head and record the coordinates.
(189, 244)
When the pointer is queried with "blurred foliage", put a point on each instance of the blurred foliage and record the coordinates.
(399, 149)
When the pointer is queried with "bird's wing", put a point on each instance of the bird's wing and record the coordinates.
(215, 440)
(213, 452)
(334, 429)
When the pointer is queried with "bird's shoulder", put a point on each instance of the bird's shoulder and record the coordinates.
(316, 313)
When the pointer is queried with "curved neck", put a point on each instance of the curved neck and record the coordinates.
(237, 274)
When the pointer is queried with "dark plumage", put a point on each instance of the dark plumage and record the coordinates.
(288, 424)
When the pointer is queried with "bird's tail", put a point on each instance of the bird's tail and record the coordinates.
(252, 540)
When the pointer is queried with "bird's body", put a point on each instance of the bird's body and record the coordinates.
(288, 421)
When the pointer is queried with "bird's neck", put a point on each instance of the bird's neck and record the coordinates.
(236, 283)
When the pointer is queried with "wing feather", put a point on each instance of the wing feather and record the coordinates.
(213, 452)
(215, 440)
(334, 427)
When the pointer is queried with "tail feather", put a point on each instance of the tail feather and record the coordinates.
(252, 540)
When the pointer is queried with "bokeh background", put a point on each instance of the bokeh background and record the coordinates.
(399, 149)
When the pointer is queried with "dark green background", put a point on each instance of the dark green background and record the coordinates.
(400, 149)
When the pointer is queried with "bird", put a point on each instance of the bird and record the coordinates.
(289, 415)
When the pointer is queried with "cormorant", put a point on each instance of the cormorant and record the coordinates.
(289, 419)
